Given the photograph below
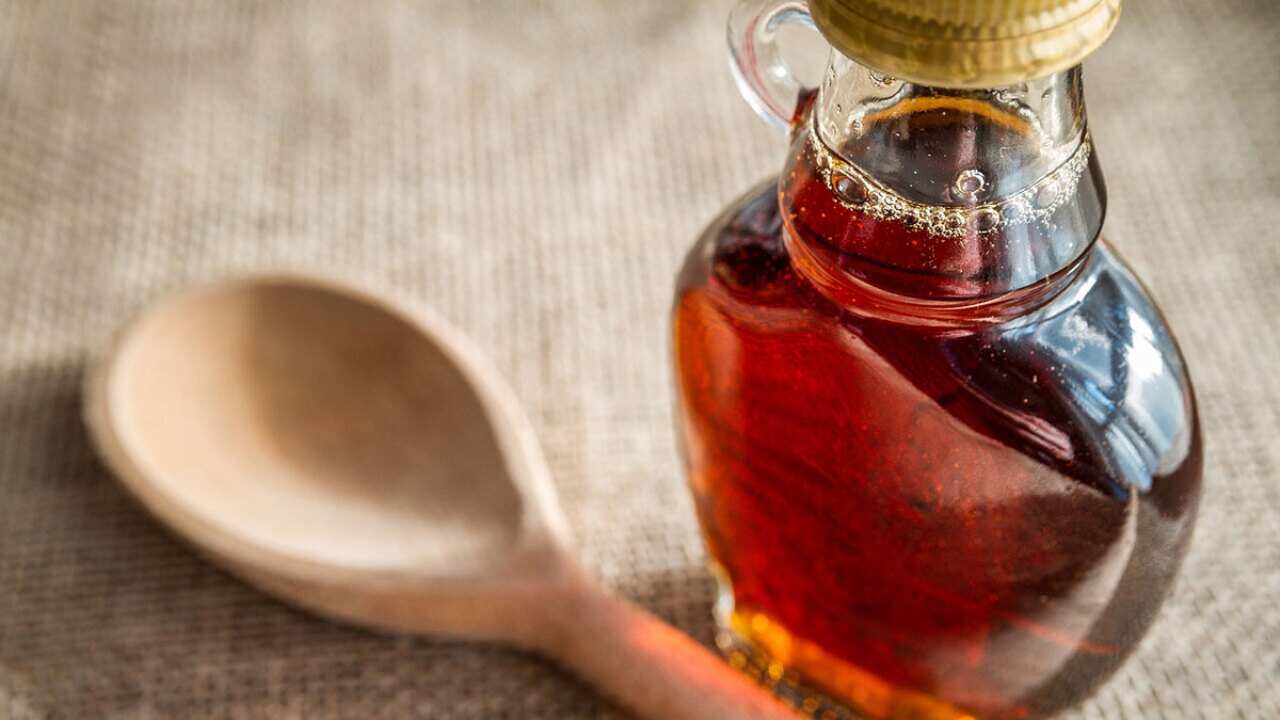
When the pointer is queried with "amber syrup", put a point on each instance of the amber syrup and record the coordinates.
(908, 516)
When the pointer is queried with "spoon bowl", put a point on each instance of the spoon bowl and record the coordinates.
(361, 460)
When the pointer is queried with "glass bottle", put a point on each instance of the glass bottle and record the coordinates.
(943, 447)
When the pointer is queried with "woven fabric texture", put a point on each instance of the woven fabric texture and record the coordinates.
(534, 171)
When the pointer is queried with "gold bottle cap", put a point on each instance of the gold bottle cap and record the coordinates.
(966, 43)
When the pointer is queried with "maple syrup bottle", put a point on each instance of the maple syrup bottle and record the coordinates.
(943, 446)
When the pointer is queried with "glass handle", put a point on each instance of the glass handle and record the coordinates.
(763, 77)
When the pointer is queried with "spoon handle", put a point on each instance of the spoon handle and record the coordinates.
(653, 668)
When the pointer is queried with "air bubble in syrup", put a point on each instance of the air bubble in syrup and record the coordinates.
(1015, 212)
(1047, 195)
(970, 185)
(984, 219)
(849, 189)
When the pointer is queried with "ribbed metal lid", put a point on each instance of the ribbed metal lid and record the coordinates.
(966, 43)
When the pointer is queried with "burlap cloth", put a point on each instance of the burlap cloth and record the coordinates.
(535, 172)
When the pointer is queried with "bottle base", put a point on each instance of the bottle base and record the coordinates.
(810, 679)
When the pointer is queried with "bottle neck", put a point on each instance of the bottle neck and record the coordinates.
(1001, 139)
(930, 199)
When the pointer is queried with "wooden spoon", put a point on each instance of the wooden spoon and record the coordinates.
(362, 461)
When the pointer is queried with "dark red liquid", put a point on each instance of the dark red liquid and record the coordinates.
(914, 514)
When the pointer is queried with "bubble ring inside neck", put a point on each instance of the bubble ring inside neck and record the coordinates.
(857, 190)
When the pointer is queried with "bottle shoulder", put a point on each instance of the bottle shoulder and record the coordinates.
(740, 266)
(1091, 378)
(1116, 358)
